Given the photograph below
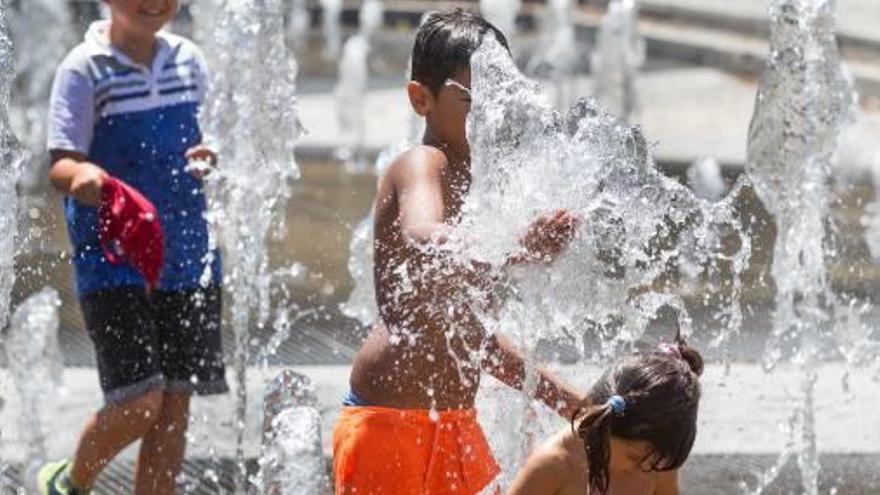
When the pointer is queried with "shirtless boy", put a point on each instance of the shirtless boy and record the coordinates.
(409, 425)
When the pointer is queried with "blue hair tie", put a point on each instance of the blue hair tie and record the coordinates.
(618, 405)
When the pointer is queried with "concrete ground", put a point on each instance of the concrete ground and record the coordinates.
(857, 18)
(742, 410)
(741, 427)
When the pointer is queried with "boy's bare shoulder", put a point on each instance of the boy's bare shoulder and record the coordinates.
(417, 161)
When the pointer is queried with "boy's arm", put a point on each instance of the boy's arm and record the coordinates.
(202, 159)
(74, 175)
(418, 186)
(506, 363)
(69, 130)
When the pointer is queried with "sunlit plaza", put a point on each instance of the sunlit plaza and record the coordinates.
(721, 158)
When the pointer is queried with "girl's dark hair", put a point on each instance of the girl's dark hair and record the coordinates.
(661, 391)
(444, 44)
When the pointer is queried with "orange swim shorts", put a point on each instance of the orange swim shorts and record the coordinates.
(387, 451)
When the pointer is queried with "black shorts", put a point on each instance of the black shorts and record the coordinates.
(167, 340)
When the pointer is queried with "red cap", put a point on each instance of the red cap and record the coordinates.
(130, 229)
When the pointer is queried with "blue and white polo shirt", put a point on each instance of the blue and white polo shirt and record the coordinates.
(136, 122)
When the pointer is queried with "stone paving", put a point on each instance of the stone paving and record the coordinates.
(742, 411)
(857, 18)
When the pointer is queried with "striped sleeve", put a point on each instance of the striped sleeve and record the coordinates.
(71, 116)
(202, 78)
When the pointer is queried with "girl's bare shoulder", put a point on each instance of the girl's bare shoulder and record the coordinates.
(552, 469)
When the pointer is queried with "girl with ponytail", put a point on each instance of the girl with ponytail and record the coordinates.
(630, 436)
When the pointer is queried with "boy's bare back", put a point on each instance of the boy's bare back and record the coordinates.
(428, 348)
(415, 356)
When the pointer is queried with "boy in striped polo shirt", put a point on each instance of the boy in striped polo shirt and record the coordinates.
(124, 105)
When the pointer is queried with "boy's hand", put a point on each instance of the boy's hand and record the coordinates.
(548, 236)
(86, 183)
(198, 156)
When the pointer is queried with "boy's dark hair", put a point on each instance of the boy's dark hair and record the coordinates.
(661, 392)
(444, 44)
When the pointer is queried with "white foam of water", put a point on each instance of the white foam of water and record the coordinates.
(804, 99)
(560, 54)
(297, 21)
(370, 17)
(331, 26)
(250, 117)
(704, 177)
(528, 160)
(619, 54)
(36, 366)
(12, 158)
(292, 458)
(871, 217)
(351, 88)
(351, 93)
(502, 14)
(46, 28)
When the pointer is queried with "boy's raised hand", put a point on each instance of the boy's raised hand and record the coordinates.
(86, 183)
(201, 160)
(548, 236)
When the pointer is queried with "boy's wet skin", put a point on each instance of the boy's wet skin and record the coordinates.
(418, 372)
(408, 425)
(418, 356)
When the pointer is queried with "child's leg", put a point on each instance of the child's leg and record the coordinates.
(191, 358)
(121, 324)
(109, 431)
(162, 448)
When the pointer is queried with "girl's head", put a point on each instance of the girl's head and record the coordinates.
(642, 413)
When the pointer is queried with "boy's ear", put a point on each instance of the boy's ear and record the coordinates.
(420, 97)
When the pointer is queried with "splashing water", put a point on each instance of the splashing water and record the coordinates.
(704, 177)
(804, 98)
(528, 160)
(370, 16)
(297, 21)
(361, 303)
(331, 26)
(292, 461)
(502, 14)
(559, 55)
(351, 88)
(36, 65)
(351, 92)
(36, 365)
(12, 157)
(250, 117)
(620, 52)
(871, 217)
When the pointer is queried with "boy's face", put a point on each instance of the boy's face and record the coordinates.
(141, 17)
(446, 112)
